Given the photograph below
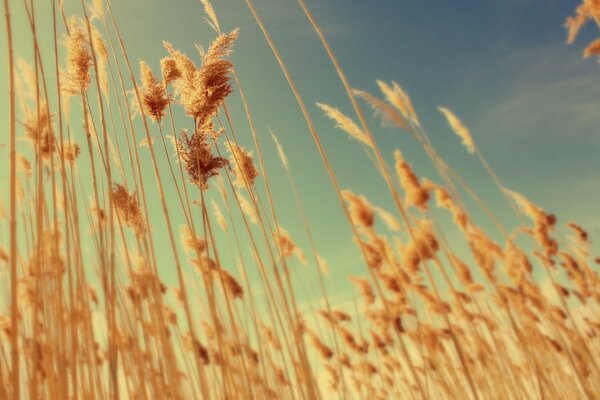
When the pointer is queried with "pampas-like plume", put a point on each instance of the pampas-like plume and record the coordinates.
(96, 10)
(346, 124)
(399, 99)
(202, 90)
(589, 9)
(374, 257)
(518, 266)
(388, 114)
(233, 288)
(23, 165)
(531, 210)
(280, 152)
(247, 208)
(71, 151)
(180, 67)
(485, 251)
(581, 234)
(463, 273)
(574, 23)
(421, 248)
(284, 241)
(324, 350)
(190, 242)
(388, 219)
(364, 287)
(335, 316)
(154, 95)
(193, 344)
(219, 216)
(593, 49)
(322, 264)
(200, 163)
(128, 208)
(243, 165)
(169, 70)
(102, 60)
(543, 222)
(38, 129)
(416, 195)
(361, 210)
(444, 200)
(458, 127)
(212, 16)
(79, 59)
(25, 82)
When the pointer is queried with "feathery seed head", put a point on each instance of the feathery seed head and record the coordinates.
(458, 128)
(79, 59)
(169, 70)
(154, 96)
(361, 210)
(243, 166)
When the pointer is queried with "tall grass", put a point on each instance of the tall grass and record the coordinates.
(86, 312)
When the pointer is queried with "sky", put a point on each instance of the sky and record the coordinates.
(531, 101)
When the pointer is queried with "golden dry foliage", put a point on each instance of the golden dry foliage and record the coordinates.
(280, 152)
(416, 195)
(461, 131)
(232, 286)
(288, 248)
(200, 163)
(153, 92)
(361, 211)
(192, 243)
(398, 98)
(593, 49)
(79, 59)
(364, 288)
(346, 124)
(128, 208)
(243, 165)
(202, 90)
(71, 151)
(40, 132)
(98, 305)
(101, 53)
(211, 16)
(219, 216)
(587, 10)
(169, 70)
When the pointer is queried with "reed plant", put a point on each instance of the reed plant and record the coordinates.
(123, 178)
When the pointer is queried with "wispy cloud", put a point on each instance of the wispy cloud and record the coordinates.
(548, 97)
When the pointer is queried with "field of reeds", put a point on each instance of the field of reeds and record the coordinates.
(143, 253)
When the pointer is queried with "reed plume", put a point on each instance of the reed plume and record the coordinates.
(461, 131)
(153, 92)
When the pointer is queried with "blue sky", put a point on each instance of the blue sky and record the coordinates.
(530, 100)
(503, 67)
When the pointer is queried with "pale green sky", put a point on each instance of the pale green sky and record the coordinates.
(531, 101)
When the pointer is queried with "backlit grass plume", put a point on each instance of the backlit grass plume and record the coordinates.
(79, 58)
(461, 131)
(200, 162)
(202, 90)
(154, 94)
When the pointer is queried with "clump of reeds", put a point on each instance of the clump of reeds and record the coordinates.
(441, 309)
